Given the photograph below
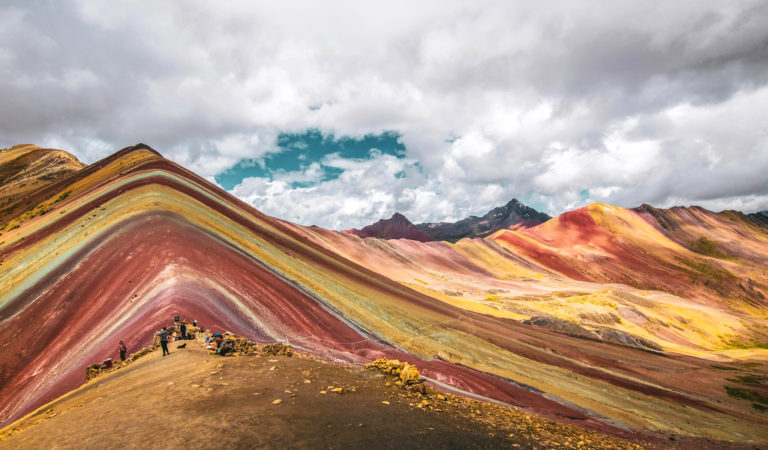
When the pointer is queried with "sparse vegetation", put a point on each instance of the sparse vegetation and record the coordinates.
(746, 394)
(12, 207)
(63, 196)
(707, 247)
(750, 379)
(751, 365)
(709, 270)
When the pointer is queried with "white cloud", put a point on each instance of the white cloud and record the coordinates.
(637, 103)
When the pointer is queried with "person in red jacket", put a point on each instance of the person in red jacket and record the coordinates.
(123, 350)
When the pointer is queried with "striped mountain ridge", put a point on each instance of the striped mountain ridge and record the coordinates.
(598, 317)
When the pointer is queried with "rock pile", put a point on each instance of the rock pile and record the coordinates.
(407, 374)
(276, 349)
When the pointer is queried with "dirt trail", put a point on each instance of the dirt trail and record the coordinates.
(193, 399)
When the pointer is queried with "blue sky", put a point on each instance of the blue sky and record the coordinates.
(338, 114)
(296, 153)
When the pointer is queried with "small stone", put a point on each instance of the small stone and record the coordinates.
(418, 389)
(272, 368)
(338, 390)
(307, 381)
(385, 402)
(276, 402)
(323, 392)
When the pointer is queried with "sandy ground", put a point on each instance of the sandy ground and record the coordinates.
(191, 399)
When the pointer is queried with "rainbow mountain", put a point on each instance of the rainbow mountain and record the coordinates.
(622, 320)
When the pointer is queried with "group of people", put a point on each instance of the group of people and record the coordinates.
(165, 334)
(222, 345)
(183, 334)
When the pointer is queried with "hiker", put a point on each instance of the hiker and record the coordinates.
(123, 350)
(164, 341)
(226, 347)
(194, 322)
(183, 329)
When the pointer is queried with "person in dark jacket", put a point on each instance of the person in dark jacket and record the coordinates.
(123, 350)
(183, 329)
(164, 341)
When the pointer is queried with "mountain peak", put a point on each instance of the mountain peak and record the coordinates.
(512, 214)
(399, 218)
(27, 168)
(396, 227)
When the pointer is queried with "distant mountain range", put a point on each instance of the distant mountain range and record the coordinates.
(513, 214)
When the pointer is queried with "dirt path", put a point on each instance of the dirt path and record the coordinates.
(191, 399)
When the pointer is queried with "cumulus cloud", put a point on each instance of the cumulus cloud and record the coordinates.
(558, 103)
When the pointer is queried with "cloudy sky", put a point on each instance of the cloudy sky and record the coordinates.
(338, 115)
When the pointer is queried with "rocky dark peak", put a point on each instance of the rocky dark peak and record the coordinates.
(514, 213)
(396, 227)
(398, 218)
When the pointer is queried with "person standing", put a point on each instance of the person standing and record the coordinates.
(123, 350)
(164, 341)
(183, 329)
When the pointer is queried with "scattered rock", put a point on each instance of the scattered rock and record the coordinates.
(419, 388)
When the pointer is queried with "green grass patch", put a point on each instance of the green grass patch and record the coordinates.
(709, 270)
(751, 365)
(751, 379)
(12, 207)
(746, 394)
(63, 196)
(707, 247)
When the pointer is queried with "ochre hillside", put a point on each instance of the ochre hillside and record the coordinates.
(599, 318)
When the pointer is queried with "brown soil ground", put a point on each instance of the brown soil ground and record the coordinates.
(191, 399)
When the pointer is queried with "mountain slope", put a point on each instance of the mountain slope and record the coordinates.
(138, 239)
(26, 168)
(208, 390)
